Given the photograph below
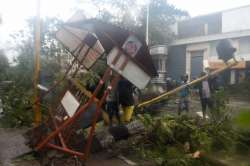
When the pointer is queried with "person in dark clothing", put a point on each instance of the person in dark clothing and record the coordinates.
(184, 96)
(126, 99)
(206, 89)
(113, 106)
(170, 84)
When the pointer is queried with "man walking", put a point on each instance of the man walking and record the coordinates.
(184, 96)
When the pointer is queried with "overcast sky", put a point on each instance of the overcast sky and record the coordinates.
(14, 12)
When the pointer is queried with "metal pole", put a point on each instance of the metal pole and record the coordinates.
(174, 91)
(147, 21)
(37, 109)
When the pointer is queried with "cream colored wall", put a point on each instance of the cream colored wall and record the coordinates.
(207, 55)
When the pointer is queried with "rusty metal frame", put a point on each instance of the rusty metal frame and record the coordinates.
(82, 109)
(60, 129)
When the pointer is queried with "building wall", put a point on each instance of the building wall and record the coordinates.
(241, 44)
(176, 62)
(236, 19)
(200, 26)
(229, 21)
(203, 34)
(179, 58)
(244, 48)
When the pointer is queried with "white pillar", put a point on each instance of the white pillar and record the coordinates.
(232, 77)
(147, 22)
(188, 64)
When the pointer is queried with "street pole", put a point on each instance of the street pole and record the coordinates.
(37, 109)
(147, 23)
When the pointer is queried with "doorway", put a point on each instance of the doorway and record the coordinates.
(196, 64)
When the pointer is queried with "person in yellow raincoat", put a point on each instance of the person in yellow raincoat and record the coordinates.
(126, 99)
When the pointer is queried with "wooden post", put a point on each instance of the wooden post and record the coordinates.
(37, 109)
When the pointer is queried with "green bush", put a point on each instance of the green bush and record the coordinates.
(172, 139)
(240, 90)
(243, 142)
(242, 123)
(17, 108)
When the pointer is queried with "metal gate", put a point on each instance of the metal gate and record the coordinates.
(196, 64)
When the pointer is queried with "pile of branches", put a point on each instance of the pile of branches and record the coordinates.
(184, 140)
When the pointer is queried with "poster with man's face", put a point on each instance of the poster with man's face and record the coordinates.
(132, 45)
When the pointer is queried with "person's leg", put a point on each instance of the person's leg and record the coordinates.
(210, 105)
(180, 106)
(186, 104)
(110, 113)
(105, 117)
(127, 113)
(203, 107)
(116, 112)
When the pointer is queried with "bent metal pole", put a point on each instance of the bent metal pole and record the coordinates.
(229, 64)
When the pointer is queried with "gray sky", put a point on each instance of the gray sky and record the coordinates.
(14, 12)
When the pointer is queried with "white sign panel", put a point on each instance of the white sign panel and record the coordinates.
(93, 55)
(132, 45)
(73, 38)
(131, 72)
(70, 103)
(68, 39)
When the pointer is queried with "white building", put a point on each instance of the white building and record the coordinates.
(194, 48)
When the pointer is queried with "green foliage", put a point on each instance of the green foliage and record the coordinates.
(4, 66)
(241, 90)
(242, 123)
(17, 107)
(242, 120)
(223, 135)
(17, 99)
(222, 129)
(91, 77)
(118, 12)
(129, 14)
(161, 16)
(243, 141)
(167, 136)
(172, 139)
